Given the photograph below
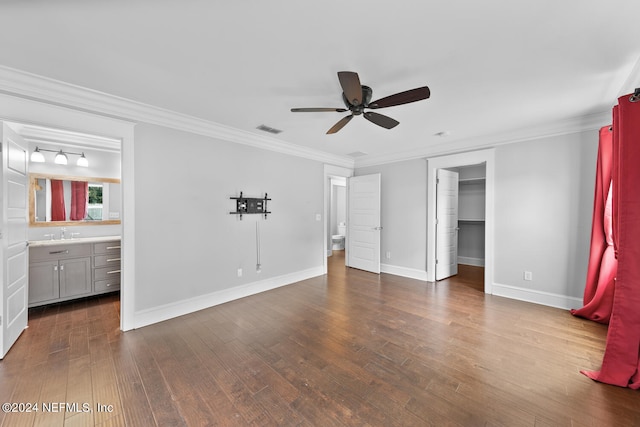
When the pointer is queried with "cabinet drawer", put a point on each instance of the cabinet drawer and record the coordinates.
(107, 247)
(107, 285)
(45, 253)
(107, 273)
(107, 260)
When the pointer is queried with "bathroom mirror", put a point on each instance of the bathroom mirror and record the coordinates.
(58, 200)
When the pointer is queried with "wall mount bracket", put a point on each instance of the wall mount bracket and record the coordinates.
(251, 205)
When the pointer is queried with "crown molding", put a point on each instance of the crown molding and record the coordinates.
(31, 86)
(64, 138)
(550, 129)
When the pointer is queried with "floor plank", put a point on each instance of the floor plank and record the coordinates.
(347, 348)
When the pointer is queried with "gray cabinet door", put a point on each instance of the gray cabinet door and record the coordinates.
(75, 277)
(43, 281)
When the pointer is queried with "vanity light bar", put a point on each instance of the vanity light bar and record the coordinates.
(61, 157)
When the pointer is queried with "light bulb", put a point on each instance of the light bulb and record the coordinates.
(37, 156)
(61, 158)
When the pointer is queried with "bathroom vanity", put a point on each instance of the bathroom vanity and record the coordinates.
(62, 270)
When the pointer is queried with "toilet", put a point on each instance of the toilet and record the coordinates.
(337, 240)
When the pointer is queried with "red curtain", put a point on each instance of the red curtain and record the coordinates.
(601, 272)
(621, 362)
(79, 196)
(58, 211)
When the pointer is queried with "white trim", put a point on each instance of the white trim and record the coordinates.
(537, 297)
(486, 156)
(396, 270)
(23, 84)
(478, 262)
(190, 305)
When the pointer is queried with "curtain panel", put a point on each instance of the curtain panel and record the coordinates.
(58, 211)
(603, 265)
(79, 200)
(621, 362)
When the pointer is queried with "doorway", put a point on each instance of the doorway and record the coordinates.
(468, 233)
(337, 216)
(42, 114)
(462, 160)
(335, 181)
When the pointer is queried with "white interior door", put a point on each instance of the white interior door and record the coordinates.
(446, 224)
(13, 239)
(363, 223)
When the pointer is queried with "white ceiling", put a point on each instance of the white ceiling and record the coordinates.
(498, 70)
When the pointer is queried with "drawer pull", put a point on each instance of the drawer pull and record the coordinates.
(113, 247)
(113, 272)
(113, 259)
(59, 252)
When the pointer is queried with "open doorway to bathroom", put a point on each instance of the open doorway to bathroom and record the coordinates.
(337, 216)
(335, 213)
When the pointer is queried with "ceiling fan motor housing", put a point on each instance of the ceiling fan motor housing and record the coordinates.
(367, 93)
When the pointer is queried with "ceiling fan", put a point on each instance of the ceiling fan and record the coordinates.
(357, 97)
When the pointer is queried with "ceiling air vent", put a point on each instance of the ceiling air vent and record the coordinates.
(269, 129)
(357, 154)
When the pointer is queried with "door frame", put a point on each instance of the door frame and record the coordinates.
(486, 156)
(329, 172)
(41, 113)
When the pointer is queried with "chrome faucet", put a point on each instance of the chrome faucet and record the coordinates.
(62, 231)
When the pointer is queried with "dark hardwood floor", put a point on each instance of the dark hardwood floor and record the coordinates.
(348, 348)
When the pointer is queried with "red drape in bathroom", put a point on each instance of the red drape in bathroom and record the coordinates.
(601, 272)
(58, 211)
(79, 200)
(621, 362)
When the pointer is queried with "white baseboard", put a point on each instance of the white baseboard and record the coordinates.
(478, 262)
(411, 273)
(537, 297)
(180, 308)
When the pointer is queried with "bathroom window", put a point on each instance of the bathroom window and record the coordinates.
(95, 202)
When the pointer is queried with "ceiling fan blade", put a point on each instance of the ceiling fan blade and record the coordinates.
(340, 124)
(381, 120)
(318, 110)
(351, 86)
(405, 97)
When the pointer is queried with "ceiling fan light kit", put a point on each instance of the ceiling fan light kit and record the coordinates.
(357, 97)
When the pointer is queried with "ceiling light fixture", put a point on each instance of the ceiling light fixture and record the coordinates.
(61, 157)
(37, 156)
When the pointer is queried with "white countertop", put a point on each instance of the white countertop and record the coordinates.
(37, 243)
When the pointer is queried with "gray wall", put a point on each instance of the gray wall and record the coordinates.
(544, 199)
(187, 243)
(404, 212)
(544, 202)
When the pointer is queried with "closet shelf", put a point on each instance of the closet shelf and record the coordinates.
(470, 219)
(478, 180)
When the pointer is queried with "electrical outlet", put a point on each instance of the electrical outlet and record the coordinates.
(239, 272)
(388, 254)
(528, 276)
